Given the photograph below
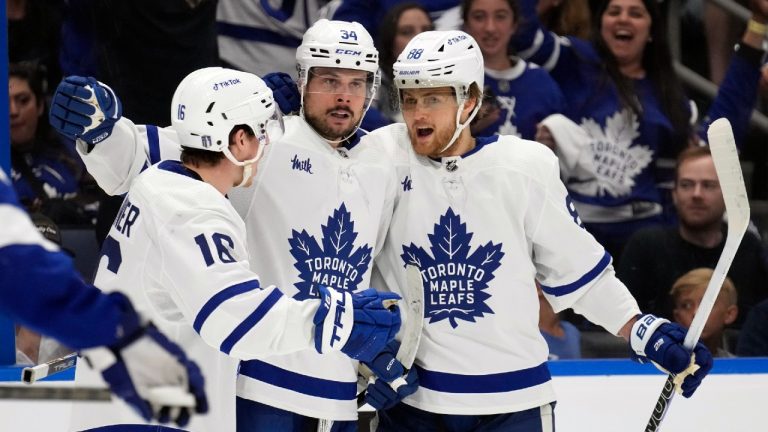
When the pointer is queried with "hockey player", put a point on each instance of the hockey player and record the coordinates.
(484, 218)
(316, 214)
(180, 235)
(40, 288)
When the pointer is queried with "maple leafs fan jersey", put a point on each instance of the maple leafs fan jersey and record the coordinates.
(315, 215)
(482, 228)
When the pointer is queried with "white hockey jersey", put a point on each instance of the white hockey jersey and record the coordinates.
(177, 250)
(483, 228)
(315, 215)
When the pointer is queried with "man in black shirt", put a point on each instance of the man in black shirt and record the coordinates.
(655, 257)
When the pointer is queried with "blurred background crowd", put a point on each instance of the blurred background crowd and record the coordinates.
(143, 48)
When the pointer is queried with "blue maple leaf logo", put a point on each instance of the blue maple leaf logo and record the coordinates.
(454, 280)
(336, 263)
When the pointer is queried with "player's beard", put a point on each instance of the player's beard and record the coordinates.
(440, 137)
(321, 127)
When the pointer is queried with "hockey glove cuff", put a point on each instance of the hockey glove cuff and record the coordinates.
(359, 324)
(660, 341)
(148, 371)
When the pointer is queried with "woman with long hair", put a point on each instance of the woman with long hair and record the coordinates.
(623, 94)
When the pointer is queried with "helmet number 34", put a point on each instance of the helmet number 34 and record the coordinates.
(345, 34)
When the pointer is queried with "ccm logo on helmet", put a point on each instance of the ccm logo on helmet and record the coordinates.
(348, 52)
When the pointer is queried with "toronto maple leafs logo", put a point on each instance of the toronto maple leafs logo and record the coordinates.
(454, 280)
(615, 162)
(336, 263)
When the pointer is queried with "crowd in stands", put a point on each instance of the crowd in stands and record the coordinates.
(593, 80)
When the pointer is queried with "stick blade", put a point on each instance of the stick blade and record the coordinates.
(726, 158)
(414, 297)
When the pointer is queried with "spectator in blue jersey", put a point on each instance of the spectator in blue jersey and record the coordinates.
(45, 176)
(626, 111)
(519, 95)
(398, 27)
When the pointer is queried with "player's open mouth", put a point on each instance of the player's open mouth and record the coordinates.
(424, 132)
(341, 114)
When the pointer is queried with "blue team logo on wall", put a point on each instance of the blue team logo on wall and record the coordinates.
(336, 263)
(455, 280)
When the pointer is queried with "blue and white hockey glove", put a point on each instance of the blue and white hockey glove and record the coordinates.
(661, 341)
(84, 108)
(149, 372)
(359, 324)
(393, 382)
(284, 90)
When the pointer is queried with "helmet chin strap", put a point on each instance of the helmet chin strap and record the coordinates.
(460, 126)
(246, 164)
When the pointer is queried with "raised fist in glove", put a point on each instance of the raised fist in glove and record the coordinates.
(84, 108)
(149, 372)
(392, 382)
(359, 324)
(284, 90)
(657, 339)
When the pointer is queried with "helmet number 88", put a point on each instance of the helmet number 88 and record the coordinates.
(415, 53)
(345, 34)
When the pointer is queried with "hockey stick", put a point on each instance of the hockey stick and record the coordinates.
(38, 372)
(726, 159)
(413, 294)
(409, 344)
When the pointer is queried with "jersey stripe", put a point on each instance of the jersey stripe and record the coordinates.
(221, 297)
(491, 383)
(153, 140)
(587, 278)
(297, 382)
(250, 321)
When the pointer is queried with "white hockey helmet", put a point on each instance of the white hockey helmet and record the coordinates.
(443, 59)
(210, 102)
(338, 44)
(439, 59)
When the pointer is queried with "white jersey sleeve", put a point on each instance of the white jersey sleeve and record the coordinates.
(117, 160)
(202, 268)
(561, 245)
